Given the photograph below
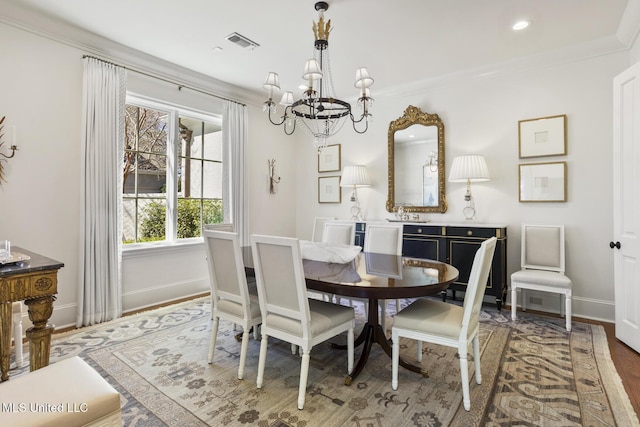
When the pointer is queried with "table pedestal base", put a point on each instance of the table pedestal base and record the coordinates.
(373, 332)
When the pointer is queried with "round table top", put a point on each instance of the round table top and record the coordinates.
(380, 276)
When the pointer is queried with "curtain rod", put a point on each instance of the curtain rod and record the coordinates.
(180, 85)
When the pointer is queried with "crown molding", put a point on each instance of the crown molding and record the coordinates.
(629, 27)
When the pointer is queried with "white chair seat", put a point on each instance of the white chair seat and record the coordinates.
(535, 278)
(444, 319)
(324, 316)
(543, 265)
(236, 309)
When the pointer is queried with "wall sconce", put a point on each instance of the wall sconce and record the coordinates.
(469, 168)
(13, 149)
(355, 176)
(273, 178)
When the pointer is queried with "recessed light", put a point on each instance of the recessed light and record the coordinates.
(303, 87)
(521, 25)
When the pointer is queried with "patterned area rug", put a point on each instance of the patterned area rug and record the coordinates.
(534, 374)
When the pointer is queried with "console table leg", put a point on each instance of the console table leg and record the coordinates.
(5, 338)
(39, 335)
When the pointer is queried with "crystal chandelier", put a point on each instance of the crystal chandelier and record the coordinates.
(319, 111)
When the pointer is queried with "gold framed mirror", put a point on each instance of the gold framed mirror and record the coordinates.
(416, 163)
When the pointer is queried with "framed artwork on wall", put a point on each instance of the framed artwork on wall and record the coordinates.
(543, 182)
(329, 159)
(545, 136)
(329, 190)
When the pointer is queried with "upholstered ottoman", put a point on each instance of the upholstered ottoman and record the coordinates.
(66, 393)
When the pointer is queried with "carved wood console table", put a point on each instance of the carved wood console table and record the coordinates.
(36, 283)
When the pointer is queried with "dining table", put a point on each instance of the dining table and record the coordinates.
(374, 277)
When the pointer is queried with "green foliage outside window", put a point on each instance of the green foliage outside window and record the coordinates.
(153, 223)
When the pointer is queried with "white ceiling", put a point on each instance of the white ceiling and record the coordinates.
(400, 41)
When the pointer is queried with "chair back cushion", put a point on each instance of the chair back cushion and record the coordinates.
(282, 290)
(543, 247)
(340, 233)
(318, 228)
(477, 285)
(226, 268)
(383, 239)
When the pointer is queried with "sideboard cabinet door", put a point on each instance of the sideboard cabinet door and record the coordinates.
(425, 242)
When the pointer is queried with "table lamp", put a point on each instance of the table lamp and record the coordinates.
(355, 176)
(469, 168)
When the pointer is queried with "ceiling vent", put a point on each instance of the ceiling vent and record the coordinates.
(241, 41)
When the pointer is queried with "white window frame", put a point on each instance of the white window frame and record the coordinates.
(173, 111)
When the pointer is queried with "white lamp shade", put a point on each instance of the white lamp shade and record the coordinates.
(355, 176)
(363, 79)
(272, 81)
(471, 167)
(312, 70)
(287, 99)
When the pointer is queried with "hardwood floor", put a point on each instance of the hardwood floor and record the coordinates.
(627, 363)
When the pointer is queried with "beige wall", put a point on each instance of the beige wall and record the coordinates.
(481, 115)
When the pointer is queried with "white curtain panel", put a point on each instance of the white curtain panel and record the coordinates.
(234, 137)
(103, 104)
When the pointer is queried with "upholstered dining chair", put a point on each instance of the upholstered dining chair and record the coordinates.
(232, 300)
(384, 239)
(218, 227)
(318, 228)
(287, 313)
(542, 261)
(447, 324)
(342, 233)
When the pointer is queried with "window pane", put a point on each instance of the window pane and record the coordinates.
(152, 174)
(128, 220)
(191, 131)
(213, 146)
(152, 132)
(144, 173)
(190, 176)
(212, 212)
(189, 218)
(212, 180)
(151, 214)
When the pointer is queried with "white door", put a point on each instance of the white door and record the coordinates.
(626, 201)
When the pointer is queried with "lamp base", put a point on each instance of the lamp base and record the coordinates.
(469, 213)
(356, 213)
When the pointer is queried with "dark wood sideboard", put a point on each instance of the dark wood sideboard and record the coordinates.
(455, 244)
